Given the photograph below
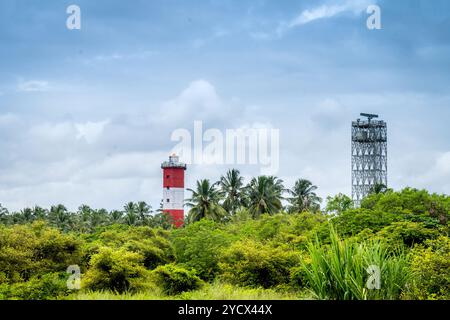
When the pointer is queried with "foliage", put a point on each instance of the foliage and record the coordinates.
(116, 270)
(353, 221)
(264, 195)
(231, 186)
(340, 271)
(338, 204)
(213, 291)
(152, 244)
(198, 247)
(204, 202)
(303, 197)
(411, 204)
(431, 270)
(249, 263)
(256, 251)
(406, 233)
(46, 287)
(176, 279)
(280, 230)
(27, 250)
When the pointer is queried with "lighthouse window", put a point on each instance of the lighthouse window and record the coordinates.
(168, 176)
(168, 188)
(168, 200)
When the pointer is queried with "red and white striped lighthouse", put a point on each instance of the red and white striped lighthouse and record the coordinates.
(173, 189)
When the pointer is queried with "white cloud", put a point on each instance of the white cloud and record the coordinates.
(199, 98)
(437, 174)
(325, 11)
(33, 86)
(90, 131)
(200, 42)
(112, 57)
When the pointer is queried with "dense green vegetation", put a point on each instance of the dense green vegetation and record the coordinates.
(240, 242)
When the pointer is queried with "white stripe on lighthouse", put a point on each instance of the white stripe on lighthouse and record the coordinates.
(173, 198)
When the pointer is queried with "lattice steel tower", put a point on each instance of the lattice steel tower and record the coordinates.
(369, 156)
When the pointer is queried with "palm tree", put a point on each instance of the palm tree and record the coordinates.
(378, 188)
(130, 214)
(84, 216)
(27, 215)
(143, 210)
(264, 195)
(115, 216)
(232, 189)
(60, 217)
(98, 218)
(40, 213)
(3, 214)
(303, 197)
(204, 202)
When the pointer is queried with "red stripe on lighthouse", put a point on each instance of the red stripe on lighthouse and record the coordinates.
(173, 178)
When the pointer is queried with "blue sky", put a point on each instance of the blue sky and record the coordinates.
(86, 115)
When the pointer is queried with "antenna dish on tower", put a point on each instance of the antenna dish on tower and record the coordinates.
(369, 115)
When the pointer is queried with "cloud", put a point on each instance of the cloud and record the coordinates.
(437, 174)
(33, 86)
(201, 42)
(325, 11)
(112, 57)
(90, 131)
(199, 98)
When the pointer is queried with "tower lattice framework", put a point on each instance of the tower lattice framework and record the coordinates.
(369, 156)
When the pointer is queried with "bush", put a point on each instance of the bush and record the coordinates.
(406, 233)
(249, 263)
(116, 270)
(353, 221)
(176, 279)
(198, 246)
(431, 270)
(152, 244)
(298, 277)
(36, 249)
(411, 204)
(45, 287)
(282, 229)
(340, 271)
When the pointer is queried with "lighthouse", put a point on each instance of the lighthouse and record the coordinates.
(173, 189)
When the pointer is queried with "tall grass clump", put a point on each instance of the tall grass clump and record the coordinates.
(339, 271)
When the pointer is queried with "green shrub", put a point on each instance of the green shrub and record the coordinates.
(45, 287)
(176, 279)
(340, 270)
(353, 221)
(280, 230)
(36, 249)
(406, 233)
(116, 270)
(198, 247)
(298, 276)
(431, 270)
(152, 244)
(252, 264)
(411, 204)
